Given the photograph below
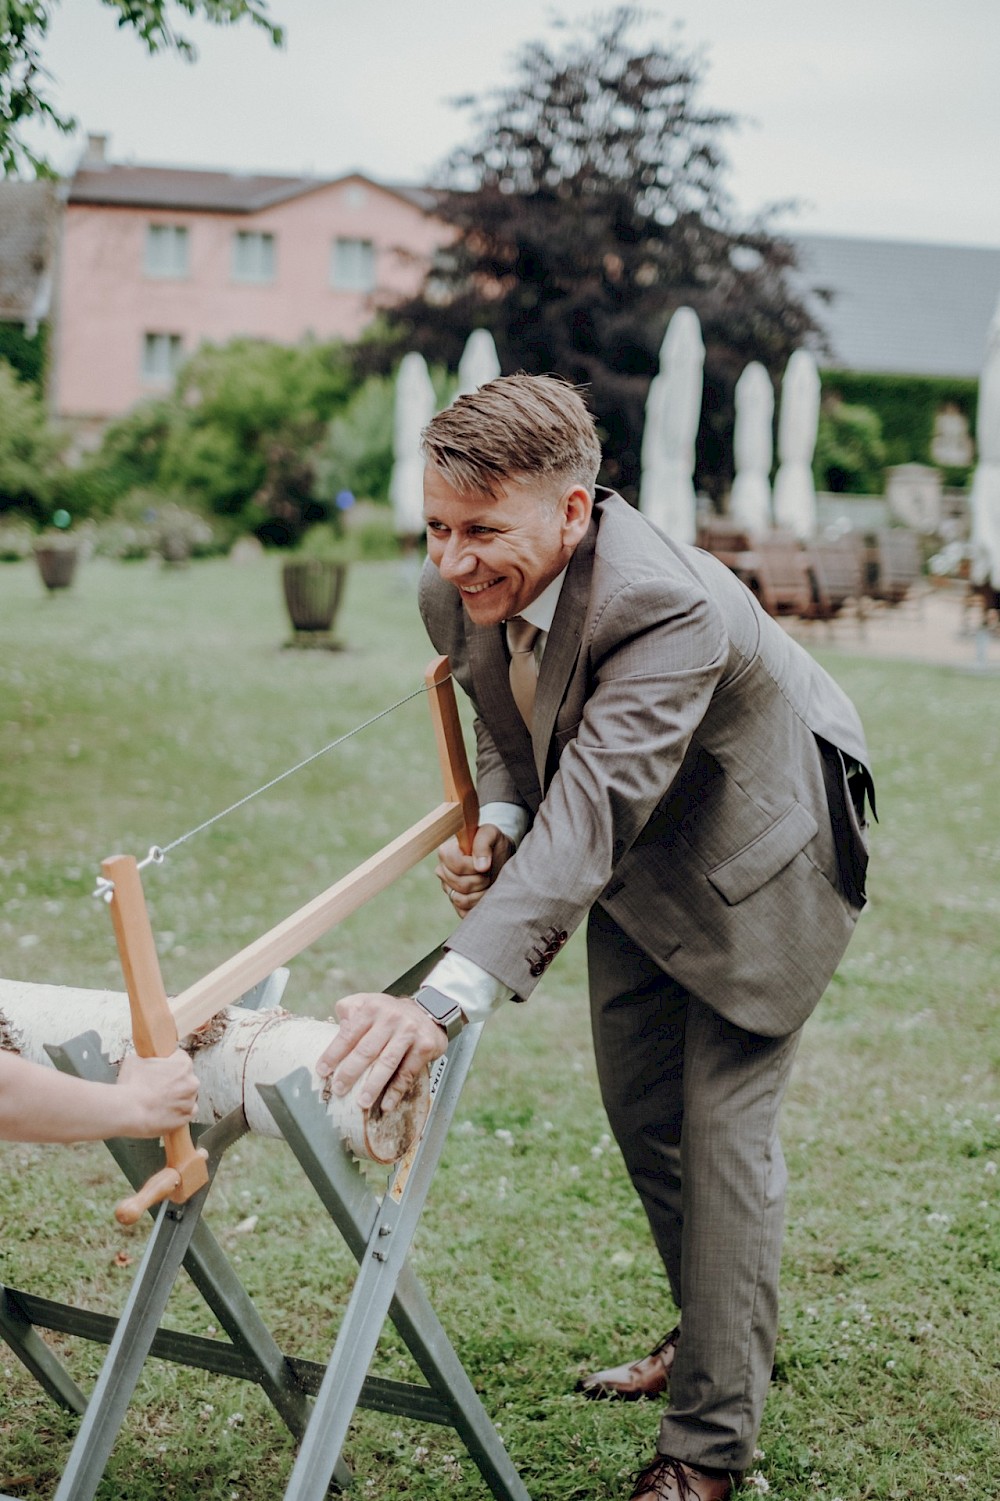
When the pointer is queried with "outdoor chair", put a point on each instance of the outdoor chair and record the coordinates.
(722, 537)
(898, 566)
(730, 542)
(836, 571)
(781, 577)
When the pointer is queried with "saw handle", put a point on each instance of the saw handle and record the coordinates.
(458, 784)
(154, 1033)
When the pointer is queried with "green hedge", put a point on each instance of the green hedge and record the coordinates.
(906, 406)
(27, 356)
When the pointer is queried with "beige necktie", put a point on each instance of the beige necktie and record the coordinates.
(521, 638)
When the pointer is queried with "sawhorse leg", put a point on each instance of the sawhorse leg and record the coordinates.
(19, 1332)
(205, 1261)
(379, 1235)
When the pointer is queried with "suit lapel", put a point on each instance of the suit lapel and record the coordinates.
(562, 648)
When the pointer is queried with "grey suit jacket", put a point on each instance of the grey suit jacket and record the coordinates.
(684, 770)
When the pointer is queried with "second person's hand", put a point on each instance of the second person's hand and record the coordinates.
(466, 878)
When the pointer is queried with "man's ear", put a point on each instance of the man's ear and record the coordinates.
(576, 505)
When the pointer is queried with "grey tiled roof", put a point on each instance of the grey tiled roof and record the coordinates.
(901, 307)
(193, 189)
(28, 219)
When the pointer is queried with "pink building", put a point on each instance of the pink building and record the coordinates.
(155, 261)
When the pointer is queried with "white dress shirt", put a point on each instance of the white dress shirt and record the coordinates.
(477, 992)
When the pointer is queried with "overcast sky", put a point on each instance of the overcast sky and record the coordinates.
(880, 117)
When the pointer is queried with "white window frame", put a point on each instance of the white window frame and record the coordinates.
(162, 357)
(353, 264)
(254, 255)
(166, 251)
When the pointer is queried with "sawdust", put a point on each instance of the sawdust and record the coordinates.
(9, 1039)
(213, 1031)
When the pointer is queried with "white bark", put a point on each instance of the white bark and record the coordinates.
(238, 1050)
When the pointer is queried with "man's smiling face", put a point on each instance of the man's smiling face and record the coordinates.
(501, 553)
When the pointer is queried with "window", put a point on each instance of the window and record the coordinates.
(162, 355)
(253, 256)
(352, 266)
(166, 250)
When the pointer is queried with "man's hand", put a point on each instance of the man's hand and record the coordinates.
(392, 1034)
(464, 878)
(157, 1094)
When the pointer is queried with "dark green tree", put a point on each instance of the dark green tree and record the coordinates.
(24, 80)
(589, 205)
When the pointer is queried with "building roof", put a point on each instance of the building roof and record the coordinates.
(29, 213)
(193, 189)
(900, 307)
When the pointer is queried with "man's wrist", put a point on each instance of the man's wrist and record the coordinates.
(444, 1010)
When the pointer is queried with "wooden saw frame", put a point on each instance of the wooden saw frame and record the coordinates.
(317, 1403)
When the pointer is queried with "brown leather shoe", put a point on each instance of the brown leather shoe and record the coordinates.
(648, 1377)
(668, 1479)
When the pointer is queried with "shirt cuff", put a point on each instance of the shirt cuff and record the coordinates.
(478, 993)
(510, 818)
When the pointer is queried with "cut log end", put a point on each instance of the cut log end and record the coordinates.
(384, 1137)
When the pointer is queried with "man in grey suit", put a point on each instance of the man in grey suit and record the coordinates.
(682, 775)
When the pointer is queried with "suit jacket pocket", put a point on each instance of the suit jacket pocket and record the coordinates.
(756, 864)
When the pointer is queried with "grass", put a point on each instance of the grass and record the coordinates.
(144, 701)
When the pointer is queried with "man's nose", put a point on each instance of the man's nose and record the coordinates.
(458, 559)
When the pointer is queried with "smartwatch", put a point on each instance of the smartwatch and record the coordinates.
(446, 1012)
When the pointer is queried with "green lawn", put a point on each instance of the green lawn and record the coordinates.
(144, 701)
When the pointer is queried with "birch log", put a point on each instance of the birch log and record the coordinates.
(235, 1052)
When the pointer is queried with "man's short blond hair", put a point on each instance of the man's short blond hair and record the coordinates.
(514, 428)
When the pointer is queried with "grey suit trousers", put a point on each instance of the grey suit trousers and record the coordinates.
(693, 1101)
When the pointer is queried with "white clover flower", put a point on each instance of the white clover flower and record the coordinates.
(758, 1483)
(989, 1167)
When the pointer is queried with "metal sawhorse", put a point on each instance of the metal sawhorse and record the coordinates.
(316, 1403)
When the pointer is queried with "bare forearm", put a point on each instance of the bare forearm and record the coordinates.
(39, 1104)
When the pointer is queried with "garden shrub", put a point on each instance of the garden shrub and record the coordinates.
(906, 406)
(850, 456)
(29, 449)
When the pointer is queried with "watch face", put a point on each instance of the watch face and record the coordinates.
(443, 1009)
(440, 1006)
